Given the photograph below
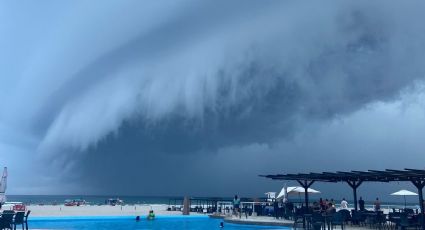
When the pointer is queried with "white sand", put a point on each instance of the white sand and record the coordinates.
(103, 210)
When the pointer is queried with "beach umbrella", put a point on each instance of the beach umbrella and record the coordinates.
(295, 190)
(404, 193)
(283, 194)
(292, 190)
(299, 190)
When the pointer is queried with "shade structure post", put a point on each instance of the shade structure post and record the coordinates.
(355, 198)
(420, 185)
(354, 185)
(421, 200)
(306, 184)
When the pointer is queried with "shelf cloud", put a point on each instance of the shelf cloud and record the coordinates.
(86, 85)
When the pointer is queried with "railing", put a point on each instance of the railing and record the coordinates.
(247, 208)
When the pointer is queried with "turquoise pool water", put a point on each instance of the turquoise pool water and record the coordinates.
(121, 223)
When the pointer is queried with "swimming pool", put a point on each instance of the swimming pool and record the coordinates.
(121, 223)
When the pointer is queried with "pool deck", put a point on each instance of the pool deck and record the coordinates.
(271, 221)
(260, 220)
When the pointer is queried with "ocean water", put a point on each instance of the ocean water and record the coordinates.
(121, 223)
(95, 200)
(60, 199)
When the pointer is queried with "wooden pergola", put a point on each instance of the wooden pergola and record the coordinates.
(355, 178)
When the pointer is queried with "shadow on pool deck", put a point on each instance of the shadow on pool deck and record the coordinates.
(265, 221)
(271, 221)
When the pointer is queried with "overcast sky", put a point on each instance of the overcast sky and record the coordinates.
(192, 97)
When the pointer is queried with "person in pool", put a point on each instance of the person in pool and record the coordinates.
(221, 225)
(151, 215)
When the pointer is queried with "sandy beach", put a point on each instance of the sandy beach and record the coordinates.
(104, 210)
(100, 210)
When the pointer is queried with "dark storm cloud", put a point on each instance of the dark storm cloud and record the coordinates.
(139, 87)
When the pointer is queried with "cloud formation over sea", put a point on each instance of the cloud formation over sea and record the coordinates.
(86, 85)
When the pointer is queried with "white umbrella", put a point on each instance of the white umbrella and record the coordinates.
(283, 193)
(294, 190)
(404, 193)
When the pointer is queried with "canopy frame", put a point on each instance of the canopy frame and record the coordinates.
(355, 178)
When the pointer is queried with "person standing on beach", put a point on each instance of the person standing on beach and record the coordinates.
(332, 201)
(322, 204)
(331, 209)
(236, 202)
(327, 203)
(361, 204)
(344, 204)
(377, 205)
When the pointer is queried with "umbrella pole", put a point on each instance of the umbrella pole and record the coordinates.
(404, 202)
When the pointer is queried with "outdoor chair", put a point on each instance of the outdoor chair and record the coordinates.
(289, 210)
(297, 221)
(370, 218)
(6, 220)
(418, 221)
(337, 219)
(394, 219)
(298, 218)
(409, 211)
(317, 221)
(19, 220)
(357, 218)
(8, 211)
(345, 215)
(26, 219)
(381, 221)
(404, 221)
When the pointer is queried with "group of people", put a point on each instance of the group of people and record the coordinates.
(150, 216)
(376, 205)
(325, 205)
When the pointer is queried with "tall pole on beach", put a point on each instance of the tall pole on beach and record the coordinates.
(186, 206)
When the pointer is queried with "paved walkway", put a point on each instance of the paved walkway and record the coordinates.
(271, 221)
